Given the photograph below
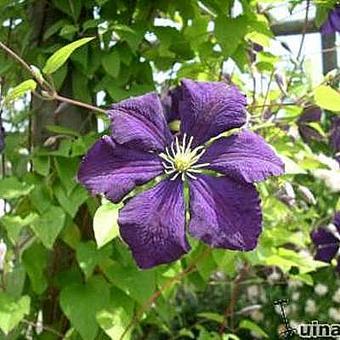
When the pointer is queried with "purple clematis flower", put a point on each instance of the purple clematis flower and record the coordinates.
(253, 50)
(327, 241)
(310, 114)
(224, 205)
(332, 24)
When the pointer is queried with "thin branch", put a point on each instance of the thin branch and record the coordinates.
(229, 311)
(51, 93)
(304, 31)
(164, 287)
(16, 57)
(78, 103)
(268, 90)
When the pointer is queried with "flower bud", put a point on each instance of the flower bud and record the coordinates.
(307, 194)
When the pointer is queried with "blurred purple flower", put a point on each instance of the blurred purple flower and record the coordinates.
(327, 241)
(310, 114)
(335, 135)
(253, 50)
(332, 24)
(224, 209)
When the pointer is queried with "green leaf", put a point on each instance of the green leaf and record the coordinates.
(252, 326)
(62, 130)
(71, 235)
(71, 203)
(49, 225)
(15, 280)
(81, 302)
(12, 311)
(20, 90)
(286, 259)
(137, 284)
(54, 28)
(59, 58)
(259, 38)
(68, 31)
(88, 256)
(35, 259)
(115, 318)
(230, 32)
(105, 223)
(41, 165)
(327, 98)
(14, 224)
(40, 198)
(111, 63)
(211, 316)
(67, 169)
(11, 187)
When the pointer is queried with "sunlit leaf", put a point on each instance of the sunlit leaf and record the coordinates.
(59, 58)
(20, 90)
(327, 98)
(252, 326)
(11, 187)
(12, 311)
(105, 223)
(115, 318)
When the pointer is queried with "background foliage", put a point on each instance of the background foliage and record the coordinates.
(66, 273)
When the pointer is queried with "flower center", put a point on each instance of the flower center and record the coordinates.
(181, 159)
(182, 162)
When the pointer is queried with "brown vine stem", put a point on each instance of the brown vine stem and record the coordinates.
(164, 287)
(48, 329)
(304, 30)
(229, 311)
(16, 57)
(51, 93)
(78, 103)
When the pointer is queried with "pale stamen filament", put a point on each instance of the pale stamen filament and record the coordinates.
(191, 176)
(174, 177)
(189, 144)
(197, 166)
(183, 143)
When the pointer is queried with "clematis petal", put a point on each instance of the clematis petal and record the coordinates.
(326, 243)
(332, 24)
(114, 170)
(153, 224)
(245, 156)
(224, 213)
(311, 113)
(334, 18)
(140, 123)
(210, 108)
(327, 27)
(335, 134)
(170, 101)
